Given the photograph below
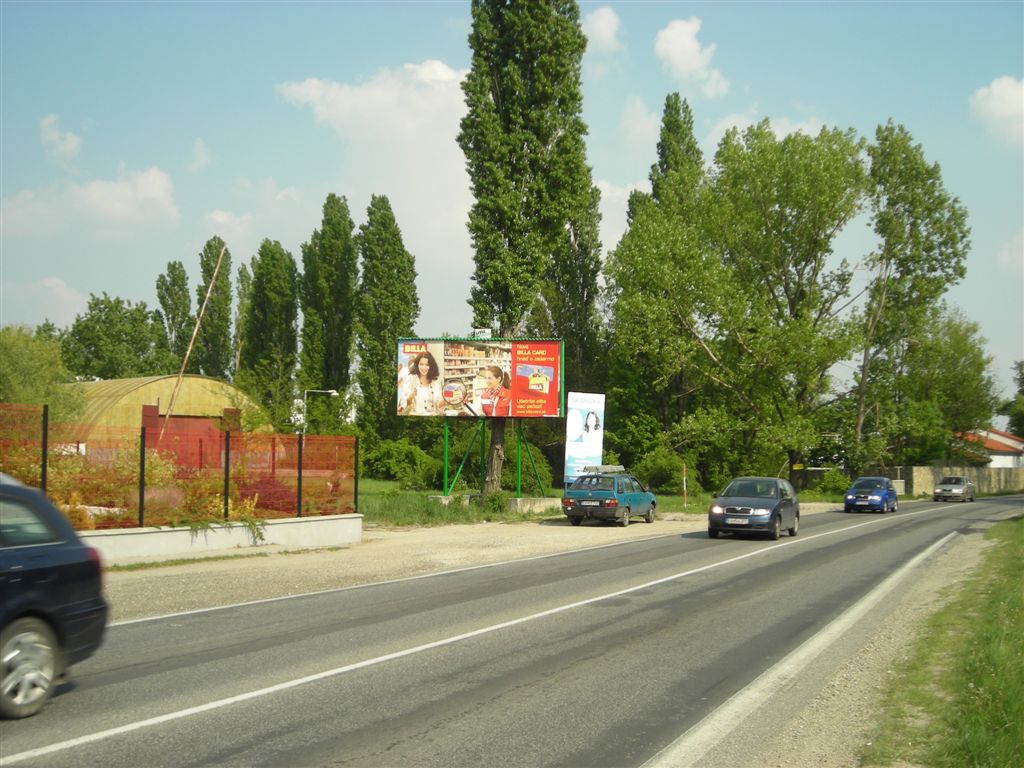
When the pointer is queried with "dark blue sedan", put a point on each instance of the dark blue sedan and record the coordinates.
(52, 610)
(871, 494)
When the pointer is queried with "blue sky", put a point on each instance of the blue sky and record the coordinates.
(134, 132)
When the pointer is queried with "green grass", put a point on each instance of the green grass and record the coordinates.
(178, 561)
(958, 700)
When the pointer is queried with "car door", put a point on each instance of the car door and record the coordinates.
(641, 502)
(788, 504)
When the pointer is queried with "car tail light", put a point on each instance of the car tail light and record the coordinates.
(566, 502)
(611, 502)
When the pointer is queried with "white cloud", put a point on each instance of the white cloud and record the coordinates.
(1011, 256)
(399, 132)
(49, 298)
(781, 127)
(1000, 107)
(133, 204)
(638, 132)
(614, 203)
(200, 156)
(683, 57)
(602, 30)
(62, 146)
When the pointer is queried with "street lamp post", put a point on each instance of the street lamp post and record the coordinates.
(305, 395)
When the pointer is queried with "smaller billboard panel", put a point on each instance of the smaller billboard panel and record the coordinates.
(584, 433)
(521, 378)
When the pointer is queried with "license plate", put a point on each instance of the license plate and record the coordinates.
(590, 503)
(862, 503)
(737, 521)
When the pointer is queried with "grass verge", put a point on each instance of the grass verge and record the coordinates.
(958, 699)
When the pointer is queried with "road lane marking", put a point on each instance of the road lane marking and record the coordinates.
(692, 746)
(287, 685)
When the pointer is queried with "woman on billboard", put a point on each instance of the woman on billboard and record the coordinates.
(422, 387)
(496, 398)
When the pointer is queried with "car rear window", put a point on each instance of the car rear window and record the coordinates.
(593, 483)
(21, 526)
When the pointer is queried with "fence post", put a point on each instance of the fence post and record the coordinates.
(355, 473)
(142, 478)
(298, 484)
(45, 447)
(227, 470)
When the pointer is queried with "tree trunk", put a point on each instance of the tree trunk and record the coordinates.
(495, 456)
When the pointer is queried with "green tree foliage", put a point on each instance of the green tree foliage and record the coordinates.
(33, 373)
(387, 310)
(946, 366)
(1014, 407)
(270, 342)
(117, 339)
(243, 287)
(653, 275)
(329, 278)
(923, 244)
(212, 352)
(176, 309)
(534, 223)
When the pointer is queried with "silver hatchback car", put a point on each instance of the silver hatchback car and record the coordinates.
(954, 488)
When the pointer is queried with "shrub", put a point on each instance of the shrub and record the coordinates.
(395, 460)
(662, 471)
(834, 482)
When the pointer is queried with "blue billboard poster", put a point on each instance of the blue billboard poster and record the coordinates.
(584, 432)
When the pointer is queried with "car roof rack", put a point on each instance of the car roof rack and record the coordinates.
(603, 469)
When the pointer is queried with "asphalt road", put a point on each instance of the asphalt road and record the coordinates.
(604, 657)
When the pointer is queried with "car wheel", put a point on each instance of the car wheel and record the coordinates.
(712, 533)
(776, 530)
(28, 667)
(649, 517)
(895, 505)
(625, 518)
(575, 520)
(796, 526)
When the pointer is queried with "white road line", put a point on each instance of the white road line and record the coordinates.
(692, 746)
(220, 703)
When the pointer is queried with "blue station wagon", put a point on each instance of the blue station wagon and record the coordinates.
(608, 496)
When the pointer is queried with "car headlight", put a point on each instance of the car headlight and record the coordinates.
(850, 497)
(716, 509)
(760, 511)
(874, 497)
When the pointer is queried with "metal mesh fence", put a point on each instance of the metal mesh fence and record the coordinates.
(107, 477)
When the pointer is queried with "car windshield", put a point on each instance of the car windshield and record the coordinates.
(952, 481)
(761, 489)
(868, 484)
(593, 483)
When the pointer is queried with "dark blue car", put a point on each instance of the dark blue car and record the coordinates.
(872, 494)
(52, 610)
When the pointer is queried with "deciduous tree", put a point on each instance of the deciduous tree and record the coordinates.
(534, 221)
(388, 310)
(212, 350)
(176, 308)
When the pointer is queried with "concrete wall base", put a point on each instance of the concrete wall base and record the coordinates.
(125, 545)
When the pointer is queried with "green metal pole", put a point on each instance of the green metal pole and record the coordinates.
(445, 480)
(483, 459)
(519, 460)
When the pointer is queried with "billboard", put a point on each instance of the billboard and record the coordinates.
(584, 433)
(521, 378)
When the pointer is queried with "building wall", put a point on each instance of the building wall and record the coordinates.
(921, 481)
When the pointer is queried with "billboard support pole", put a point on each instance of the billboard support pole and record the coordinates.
(519, 460)
(483, 460)
(472, 445)
(444, 480)
(529, 455)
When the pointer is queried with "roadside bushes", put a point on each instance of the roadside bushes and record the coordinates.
(662, 471)
(400, 460)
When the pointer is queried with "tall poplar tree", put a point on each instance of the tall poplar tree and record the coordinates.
(175, 308)
(212, 351)
(388, 310)
(270, 341)
(243, 286)
(329, 275)
(534, 225)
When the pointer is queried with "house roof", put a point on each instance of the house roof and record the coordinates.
(995, 441)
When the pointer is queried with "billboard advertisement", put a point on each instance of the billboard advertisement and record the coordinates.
(521, 378)
(584, 432)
